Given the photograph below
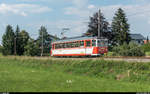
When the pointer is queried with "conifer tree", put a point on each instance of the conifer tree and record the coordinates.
(120, 28)
(18, 40)
(147, 39)
(31, 49)
(105, 29)
(44, 40)
(8, 41)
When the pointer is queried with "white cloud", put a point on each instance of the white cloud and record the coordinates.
(76, 11)
(79, 8)
(91, 7)
(22, 9)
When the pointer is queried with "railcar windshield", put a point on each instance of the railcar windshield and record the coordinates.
(93, 42)
(102, 43)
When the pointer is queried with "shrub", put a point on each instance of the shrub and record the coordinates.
(146, 47)
(129, 50)
(147, 53)
(1, 49)
(111, 54)
(31, 49)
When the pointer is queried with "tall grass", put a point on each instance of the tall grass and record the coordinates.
(41, 74)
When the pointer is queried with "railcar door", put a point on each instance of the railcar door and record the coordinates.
(88, 49)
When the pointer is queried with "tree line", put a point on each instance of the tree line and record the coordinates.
(19, 42)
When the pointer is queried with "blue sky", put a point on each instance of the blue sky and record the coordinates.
(73, 14)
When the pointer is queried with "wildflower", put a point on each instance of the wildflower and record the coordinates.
(69, 81)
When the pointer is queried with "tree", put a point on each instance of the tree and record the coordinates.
(31, 49)
(120, 28)
(24, 36)
(93, 27)
(1, 49)
(17, 40)
(8, 41)
(44, 40)
(147, 39)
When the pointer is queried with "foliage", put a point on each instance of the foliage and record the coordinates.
(18, 41)
(8, 41)
(147, 53)
(120, 28)
(31, 49)
(146, 47)
(93, 26)
(24, 36)
(111, 54)
(1, 49)
(46, 40)
(147, 40)
(129, 50)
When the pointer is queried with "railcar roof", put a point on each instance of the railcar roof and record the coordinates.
(75, 39)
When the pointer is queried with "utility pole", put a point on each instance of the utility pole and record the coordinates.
(15, 46)
(64, 30)
(99, 24)
(42, 45)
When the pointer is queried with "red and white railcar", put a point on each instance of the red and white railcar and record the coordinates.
(79, 46)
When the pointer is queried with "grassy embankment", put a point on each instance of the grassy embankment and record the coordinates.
(19, 74)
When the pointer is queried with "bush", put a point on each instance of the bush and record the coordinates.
(1, 49)
(147, 53)
(31, 49)
(129, 50)
(111, 54)
(146, 47)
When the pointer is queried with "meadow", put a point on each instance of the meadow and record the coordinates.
(29, 74)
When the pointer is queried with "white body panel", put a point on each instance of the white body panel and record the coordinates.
(73, 51)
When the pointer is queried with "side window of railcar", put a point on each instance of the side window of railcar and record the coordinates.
(69, 45)
(56, 46)
(73, 44)
(99, 43)
(60, 45)
(81, 43)
(78, 44)
(53, 46)
(93, 42)
(106, 42)
(88, 43)
(102, 43)
(64, 46)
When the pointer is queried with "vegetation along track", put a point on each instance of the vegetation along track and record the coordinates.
(127, 59)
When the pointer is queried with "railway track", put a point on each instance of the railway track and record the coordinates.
(127, 59)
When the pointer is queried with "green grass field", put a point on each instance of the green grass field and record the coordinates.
(18, 74)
